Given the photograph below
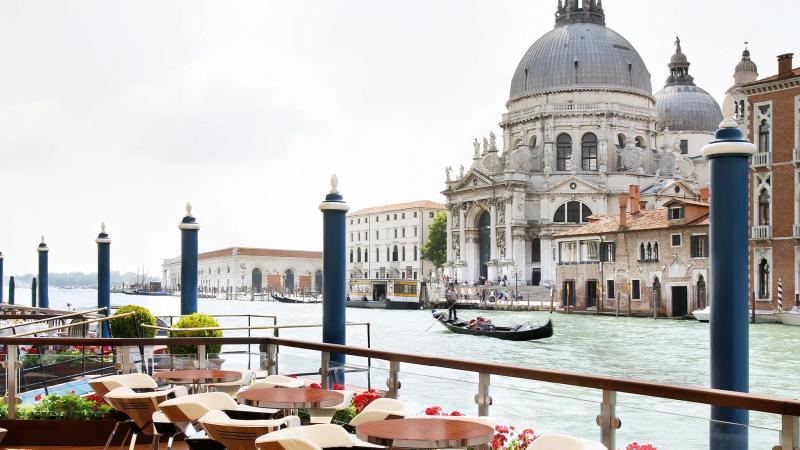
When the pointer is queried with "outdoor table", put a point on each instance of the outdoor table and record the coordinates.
(290, 399)
(198, 377)
(425, 433)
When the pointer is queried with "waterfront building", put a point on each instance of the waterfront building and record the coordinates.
(582, 124)
(773, 125)
(641, 261)
(386, 241)
(251, 270)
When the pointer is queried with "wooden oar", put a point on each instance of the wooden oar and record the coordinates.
(437, 319)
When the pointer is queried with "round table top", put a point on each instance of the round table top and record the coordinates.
(198, 376)
(425, 433)
(291, 398)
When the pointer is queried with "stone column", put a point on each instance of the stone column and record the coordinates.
(44, 300)
(462, 238)
(520, 256)
(189, 230)
(546, 243)
(104, 276)
(449, 237)
(509, 211)
(491, 273)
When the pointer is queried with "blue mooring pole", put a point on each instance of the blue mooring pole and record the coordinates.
(104, 275)
(33, 292)
(189, 228)
(11, 288)
(44, 300)
(729, 156)
(334, 290)
(1, 277)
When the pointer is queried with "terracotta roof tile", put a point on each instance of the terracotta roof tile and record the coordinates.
(427, 204)
(795, 73)
(646, 219)
(249, 251)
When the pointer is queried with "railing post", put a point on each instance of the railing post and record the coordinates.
(124, 359)
(790, 432)
(11, 365)
(202, 359)
(271, 363)
(393, 382)
(608, 420)
(325, 370)
(482, 398)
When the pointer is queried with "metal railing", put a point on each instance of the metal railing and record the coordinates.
(608, 387)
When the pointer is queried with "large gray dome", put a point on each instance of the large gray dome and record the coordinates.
(579, 56)
(681, 105)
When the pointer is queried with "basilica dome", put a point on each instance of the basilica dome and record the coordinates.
(683, 106)
(580, 53)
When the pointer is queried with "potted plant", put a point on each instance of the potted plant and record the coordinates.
(130, 327)
(196, 320)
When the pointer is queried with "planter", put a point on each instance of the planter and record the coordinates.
(63, 432)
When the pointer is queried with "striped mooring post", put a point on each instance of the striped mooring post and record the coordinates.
(729, 156)
(189, 229)
(44, 300)
(334, 291)
(104, 275)
(780, 294)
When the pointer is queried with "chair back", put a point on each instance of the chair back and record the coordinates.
(139, 406)
(277, 381)
(564, 442)
(388, 404)
(135, 381)
(237, 434)
(322, 435)
(190, 408)
(285, 444)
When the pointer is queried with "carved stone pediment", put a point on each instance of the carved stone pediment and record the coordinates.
(473, 180)
(575, 185)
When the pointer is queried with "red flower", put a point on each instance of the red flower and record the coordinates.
(501, 429)
(338, 387)
(456, 413)
(38, 397)
(314, 386)
(433, 411)
(637, 446)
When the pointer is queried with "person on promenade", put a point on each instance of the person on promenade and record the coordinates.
(452, 298)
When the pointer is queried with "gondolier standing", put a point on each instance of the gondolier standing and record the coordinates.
(452, 298)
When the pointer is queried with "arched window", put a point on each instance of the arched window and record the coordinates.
(763, 207)
(701, 292)
(621, 140)
(655, 251)
(589, 152)
(388, 258)
(377, 255)
(763, 136)
(394, 253)
(642, 253)
(358, 255)
(415, 253)
(763, 279)
(404, 253)
(351, 255)
(366, 255)
(640, 142)
(563, 151)
(572, 212)
(649, 251)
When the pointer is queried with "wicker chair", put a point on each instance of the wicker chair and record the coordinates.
(237, 434)
(310, 437)
(563, 442)
(139, 407)
(382, 409)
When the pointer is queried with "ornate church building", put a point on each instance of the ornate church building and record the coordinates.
(582, 126)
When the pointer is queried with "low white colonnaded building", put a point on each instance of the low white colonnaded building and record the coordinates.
(251, 270)
(582, 126)
(386, 241)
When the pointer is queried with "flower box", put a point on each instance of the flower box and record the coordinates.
(62, 433)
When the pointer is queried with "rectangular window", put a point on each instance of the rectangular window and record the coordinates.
(359, 221)
(395, 217)
(395, 233)
(684, 147)
(415, 231)
(430, 215)
(677, 240)
(608, 252)
(676, 213)
(404, 232)
(700, 246)
(636, 293)
(377, 234)
(351, 237)
(403, 216)
(377, 255)
(566, 252)
(611, 288)
(387, 217)
(589, 251)
(351, 221)
(377, 218)
(415, 214)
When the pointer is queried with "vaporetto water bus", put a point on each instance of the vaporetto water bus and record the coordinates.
(384, 294)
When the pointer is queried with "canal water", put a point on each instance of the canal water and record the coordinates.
(664, 351)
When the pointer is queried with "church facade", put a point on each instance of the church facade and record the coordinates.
(582, 125)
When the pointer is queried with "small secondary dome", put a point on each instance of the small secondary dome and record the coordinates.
(580, 53)
(746, 70)
(681, 105)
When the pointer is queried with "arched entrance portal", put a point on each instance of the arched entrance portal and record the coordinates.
(485, 245)
(257, 281)
(318, 281)
(288, 281)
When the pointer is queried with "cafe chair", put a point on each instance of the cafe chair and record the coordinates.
(139, 407)
(3, 432)
(190, 408)
(310, 437)
(564, 442)
(325, 415)
(137, 381)
(237, 434)
(382, 409)
(233, 387)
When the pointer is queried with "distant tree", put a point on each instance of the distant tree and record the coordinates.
(435, 249)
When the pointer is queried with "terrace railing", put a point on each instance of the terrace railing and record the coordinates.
(608, 387)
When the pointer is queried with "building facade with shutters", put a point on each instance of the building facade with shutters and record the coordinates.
(772, 122)
(640, 261)
(251, 270)
(582, 125)
(386, 241)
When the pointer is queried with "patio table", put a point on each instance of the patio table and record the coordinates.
(290, 399)
(197, 378)
(426, 433)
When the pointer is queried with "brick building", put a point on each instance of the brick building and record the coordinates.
(638, 260)
(773, 125)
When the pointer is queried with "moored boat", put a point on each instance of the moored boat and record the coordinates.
(515, 333)
(790, 317)
(384, 294)
(703, 315)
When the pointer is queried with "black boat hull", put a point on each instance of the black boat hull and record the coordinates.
(507, 334)
(383, 304)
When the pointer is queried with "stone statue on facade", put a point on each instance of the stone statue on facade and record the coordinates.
(500, 207)
(477, 146)
(485, 147)
(549, 124)
(603, 126)
(456, 214)
(456, 248)
(461, 171)
(447, 172)
(492, 142)
(501, 244)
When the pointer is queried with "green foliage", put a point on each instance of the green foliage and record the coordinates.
(344, 416)
(435, 249)
(196, 320)
(125, 327)
(67, 406)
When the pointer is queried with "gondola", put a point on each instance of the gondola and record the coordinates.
(516, 333)
(283, 299)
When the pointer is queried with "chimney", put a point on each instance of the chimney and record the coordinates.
(642, 204)
(785, 65)
(633, 192)
(623, 210)
(704, 194)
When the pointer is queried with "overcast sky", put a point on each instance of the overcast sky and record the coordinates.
(123, 111)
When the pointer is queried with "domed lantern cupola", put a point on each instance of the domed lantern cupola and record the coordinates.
(746, 70)
(590, 12)
(679, 66)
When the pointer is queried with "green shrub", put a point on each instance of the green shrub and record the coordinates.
(67, 406)
(126, 327)
(196, 320)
